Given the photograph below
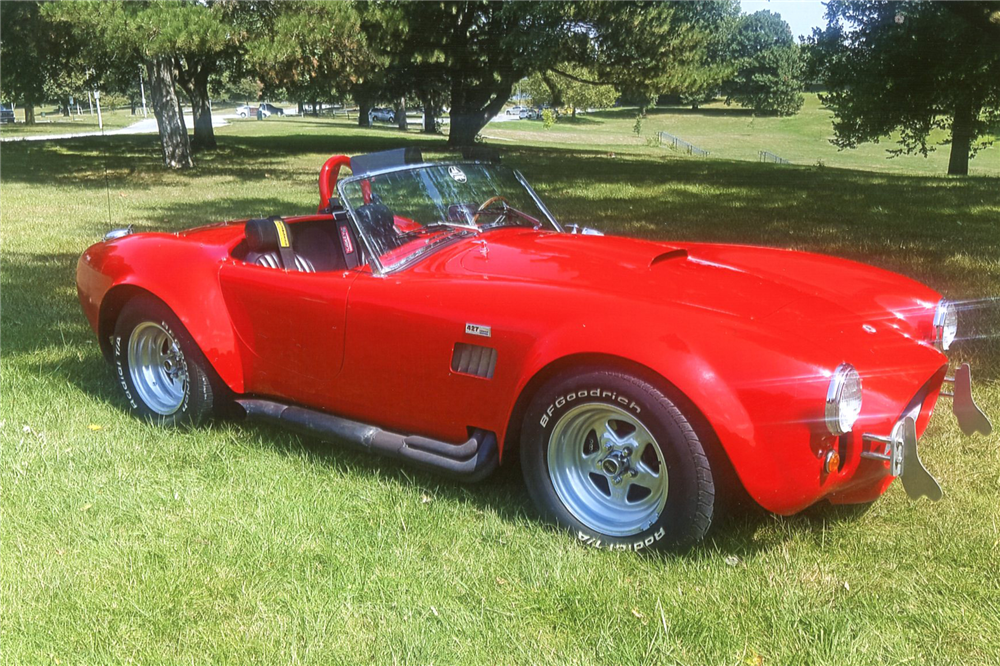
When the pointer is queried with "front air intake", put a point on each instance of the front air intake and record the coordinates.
(474, 360)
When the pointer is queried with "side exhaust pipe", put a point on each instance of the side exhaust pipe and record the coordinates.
(471, 461)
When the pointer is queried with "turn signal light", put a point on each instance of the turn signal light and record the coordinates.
(832, 462)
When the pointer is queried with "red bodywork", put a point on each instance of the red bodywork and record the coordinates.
(749, 335)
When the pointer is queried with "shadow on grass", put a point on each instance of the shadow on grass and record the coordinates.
(580, 120)
(714, 112)
(740, 529)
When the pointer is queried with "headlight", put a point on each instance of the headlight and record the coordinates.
(945, 324)
(843, 399)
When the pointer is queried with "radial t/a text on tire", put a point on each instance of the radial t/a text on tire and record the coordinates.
(159, 366)
(610, 457)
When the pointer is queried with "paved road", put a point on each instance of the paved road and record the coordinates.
(146, 126)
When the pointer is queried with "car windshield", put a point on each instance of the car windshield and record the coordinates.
(408, 213)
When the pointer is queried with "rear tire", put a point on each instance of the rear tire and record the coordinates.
(158, 365)
(608, 456)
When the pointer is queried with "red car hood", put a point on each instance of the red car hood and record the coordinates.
(820, 297)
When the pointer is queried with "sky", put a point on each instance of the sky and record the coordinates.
(801, 15)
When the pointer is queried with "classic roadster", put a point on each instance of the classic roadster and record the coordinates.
(438, 313)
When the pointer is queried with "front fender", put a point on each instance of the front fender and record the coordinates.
(762, 396)
(182, 275)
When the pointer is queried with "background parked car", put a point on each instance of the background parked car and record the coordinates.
(246, 111)
(271, 110)
(6, 114)
(514, 111)
(382, 115)
(530, 114)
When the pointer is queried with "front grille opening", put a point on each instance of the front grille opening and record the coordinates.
(474, 360)
(842, 451)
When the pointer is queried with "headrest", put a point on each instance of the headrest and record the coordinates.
(266, 235)
(362, 164)
(375, 217)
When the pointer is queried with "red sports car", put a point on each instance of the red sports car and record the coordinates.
(438, 313)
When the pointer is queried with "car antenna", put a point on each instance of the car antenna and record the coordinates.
(104, 150)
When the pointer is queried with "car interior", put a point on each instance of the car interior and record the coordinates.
(307, 246)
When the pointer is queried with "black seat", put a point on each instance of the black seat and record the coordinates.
(315, 243)
(269, 242)
(272, 260)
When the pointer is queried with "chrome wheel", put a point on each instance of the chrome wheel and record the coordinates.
(157, 367)
(607, 469)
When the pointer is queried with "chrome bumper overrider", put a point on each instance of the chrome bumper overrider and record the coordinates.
(971, 419)
(904, 462)
(901, 445)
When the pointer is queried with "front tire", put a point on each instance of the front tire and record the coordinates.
(608, 456)
(158, 365)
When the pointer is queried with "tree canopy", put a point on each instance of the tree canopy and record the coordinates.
(769, 67)
(904, 69)
(466, 55)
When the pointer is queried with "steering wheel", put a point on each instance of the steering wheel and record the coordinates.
(486, 204)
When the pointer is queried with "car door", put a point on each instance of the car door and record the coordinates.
(291, 327)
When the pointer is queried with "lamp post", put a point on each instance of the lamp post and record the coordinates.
(97, 98)
(142, 89)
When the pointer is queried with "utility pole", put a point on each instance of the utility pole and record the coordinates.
(142, 89)
(90, 102)
(100, 120)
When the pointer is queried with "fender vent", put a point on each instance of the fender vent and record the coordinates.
(474, 360)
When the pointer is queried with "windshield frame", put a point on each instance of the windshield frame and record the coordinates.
(376, 265)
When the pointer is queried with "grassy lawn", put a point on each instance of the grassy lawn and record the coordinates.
(235, 544)
(55, 123)
(733, 133)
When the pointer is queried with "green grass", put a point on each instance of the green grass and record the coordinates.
(235, 544)
(733, 133)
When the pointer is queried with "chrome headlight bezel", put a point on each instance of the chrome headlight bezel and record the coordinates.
(843, 400)
(945, 324)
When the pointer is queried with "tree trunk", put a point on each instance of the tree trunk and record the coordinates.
(201, 110)
(401, 114)
(65, 110)
(173, 135)
(430, 116)
(554, 91)
(364, 109)
(463, 127)
(315, 109)
(962, 130)
(470, 115)
(29, 114)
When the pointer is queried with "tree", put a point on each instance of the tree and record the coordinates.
(718, 21)
(177, 42)
(38, 58)
(480, 50)
(311, 50)
(769, 66)
(204, 40)
(566, 87)
(137, 34)
(911, 68)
